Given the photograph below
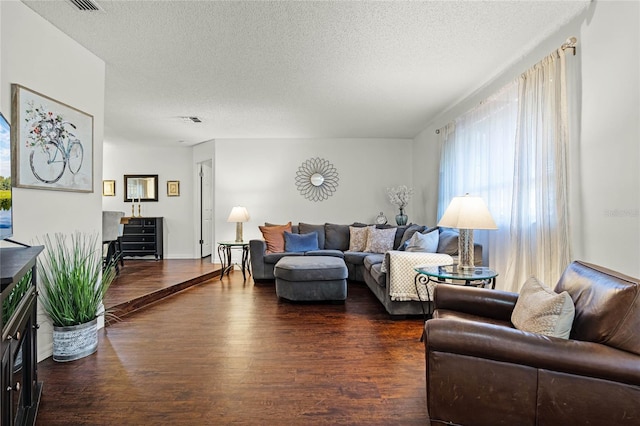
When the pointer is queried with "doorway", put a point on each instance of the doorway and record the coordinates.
(206, 207)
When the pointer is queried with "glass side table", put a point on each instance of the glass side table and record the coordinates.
(479, 276)
(224, 253)
(429, 276)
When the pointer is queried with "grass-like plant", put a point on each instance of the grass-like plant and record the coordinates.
(10, 304)
(72, 283)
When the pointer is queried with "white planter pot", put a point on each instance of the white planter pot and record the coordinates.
(75, 342)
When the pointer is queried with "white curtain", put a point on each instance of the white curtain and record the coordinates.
(511, 151)
(477, 158)
(539, 219)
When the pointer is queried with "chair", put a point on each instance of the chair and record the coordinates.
(481, 370)
(111, 233)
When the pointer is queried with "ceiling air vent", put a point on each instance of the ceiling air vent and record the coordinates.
(85, 5)
(191, 119)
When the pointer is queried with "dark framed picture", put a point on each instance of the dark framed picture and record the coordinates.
(53, 143)
(173, 188)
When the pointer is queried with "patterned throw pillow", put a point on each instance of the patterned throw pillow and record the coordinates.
(358, 237)
(379, 240)
(541, 310)
(274, 237)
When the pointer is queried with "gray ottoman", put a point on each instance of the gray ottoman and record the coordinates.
(311, 278)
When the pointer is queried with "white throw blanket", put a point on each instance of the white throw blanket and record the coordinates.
(401, 267)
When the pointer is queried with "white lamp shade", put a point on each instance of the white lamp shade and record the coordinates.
(467, 212)
(238, 214)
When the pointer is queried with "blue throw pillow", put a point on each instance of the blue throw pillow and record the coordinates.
(300, 242)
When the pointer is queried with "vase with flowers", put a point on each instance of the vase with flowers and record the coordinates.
(400, 197)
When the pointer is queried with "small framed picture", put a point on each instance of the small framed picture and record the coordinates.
(173, 188)
(108, 188)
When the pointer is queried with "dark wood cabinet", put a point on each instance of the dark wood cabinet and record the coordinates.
(20, 389)
(142, 236)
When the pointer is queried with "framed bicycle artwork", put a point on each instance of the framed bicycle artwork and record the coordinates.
(52, 143)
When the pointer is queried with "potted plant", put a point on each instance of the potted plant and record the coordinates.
(72, 288)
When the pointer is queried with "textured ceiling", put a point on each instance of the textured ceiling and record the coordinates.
(287, 69)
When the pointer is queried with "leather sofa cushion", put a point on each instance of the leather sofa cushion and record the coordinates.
(465, 316)
(607, 305)
(305, 228)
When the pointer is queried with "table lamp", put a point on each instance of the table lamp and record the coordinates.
(467, 213)
(238, 214)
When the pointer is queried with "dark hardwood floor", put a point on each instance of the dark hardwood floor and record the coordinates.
(229, 352)
(143, 282)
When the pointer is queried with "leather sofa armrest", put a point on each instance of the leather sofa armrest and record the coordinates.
(499, 343)
(483, 302)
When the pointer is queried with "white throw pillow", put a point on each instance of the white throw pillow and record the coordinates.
(541, 310)
(427, 243)
(380, 240)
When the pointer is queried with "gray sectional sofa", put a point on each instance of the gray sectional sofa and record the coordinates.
(374, 269)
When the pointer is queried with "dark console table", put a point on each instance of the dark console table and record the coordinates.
(20, 389)
(142, 236)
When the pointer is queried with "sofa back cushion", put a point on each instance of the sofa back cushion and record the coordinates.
(336, 237)
(448, 241)
(607, 305)
(305, 228)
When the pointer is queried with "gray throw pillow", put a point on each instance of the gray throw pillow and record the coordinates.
(426, 243)
(408, 233)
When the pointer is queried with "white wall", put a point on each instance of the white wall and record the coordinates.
(605, 156)
(609, 155)
(260, 175)
(38, 56)
(168, 163)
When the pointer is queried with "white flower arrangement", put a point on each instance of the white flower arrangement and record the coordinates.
(400, 196)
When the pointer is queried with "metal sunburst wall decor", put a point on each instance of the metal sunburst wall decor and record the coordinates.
(317, 179)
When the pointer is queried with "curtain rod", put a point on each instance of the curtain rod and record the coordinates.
(570, 43)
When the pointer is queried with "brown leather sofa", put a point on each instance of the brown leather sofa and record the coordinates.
(480, 370)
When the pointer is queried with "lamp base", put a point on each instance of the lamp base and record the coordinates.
(238, 232)
(465, 249)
